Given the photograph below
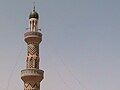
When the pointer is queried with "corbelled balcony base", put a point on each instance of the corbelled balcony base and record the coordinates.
(30, 75)
(33, 37)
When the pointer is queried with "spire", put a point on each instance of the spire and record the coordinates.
(33, 6)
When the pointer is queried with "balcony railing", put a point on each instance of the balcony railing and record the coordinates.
(33, 34)
(33, 72)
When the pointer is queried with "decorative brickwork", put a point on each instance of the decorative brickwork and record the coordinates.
(32, 59)
(33, 49)
(32, 86)
(33, 56)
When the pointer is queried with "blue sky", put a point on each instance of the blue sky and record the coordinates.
(80, 48)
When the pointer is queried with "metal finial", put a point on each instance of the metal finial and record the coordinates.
(33, 6)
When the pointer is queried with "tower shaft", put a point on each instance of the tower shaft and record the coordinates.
(32, 75)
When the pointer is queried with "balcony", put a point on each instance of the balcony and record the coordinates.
(33, 37)
(32, 74)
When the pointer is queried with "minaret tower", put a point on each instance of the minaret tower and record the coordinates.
(32, 75)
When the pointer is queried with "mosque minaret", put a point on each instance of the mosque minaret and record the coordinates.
(32, 75)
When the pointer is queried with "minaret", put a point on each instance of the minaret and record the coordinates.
(32, 75)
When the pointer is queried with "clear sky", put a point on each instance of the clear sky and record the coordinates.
(80, 48)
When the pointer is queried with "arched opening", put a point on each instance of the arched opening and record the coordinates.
(33, 25)
(30, 26)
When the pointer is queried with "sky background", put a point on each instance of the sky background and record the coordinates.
(80, 48)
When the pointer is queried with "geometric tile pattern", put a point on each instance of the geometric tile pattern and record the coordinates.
(31, 86)
(33, 49)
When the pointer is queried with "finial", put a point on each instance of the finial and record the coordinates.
(33, 6)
